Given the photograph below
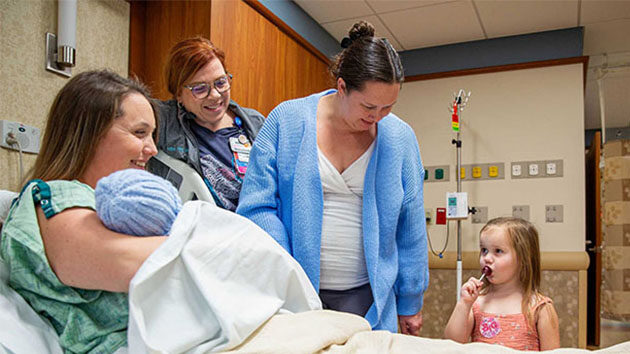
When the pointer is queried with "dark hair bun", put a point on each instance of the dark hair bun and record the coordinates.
(361, 29)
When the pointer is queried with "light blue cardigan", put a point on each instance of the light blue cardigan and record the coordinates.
(282, 193)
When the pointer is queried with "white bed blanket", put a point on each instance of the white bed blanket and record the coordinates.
(332, 332)
(216, 279)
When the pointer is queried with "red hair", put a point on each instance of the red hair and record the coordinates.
(186, 58)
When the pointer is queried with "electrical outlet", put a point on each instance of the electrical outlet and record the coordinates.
(551, 168)
(533, 169)
(521, 211)
(554, 213)
(27, 137)
(440, 216)
(428, 216)
(480, 216)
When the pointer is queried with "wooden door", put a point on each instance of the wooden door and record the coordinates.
(593, 239)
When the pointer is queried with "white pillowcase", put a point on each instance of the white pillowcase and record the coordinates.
(21, 329)
(6, 197)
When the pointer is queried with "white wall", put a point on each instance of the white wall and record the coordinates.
(522, 115)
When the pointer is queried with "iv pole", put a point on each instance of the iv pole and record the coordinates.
(460, 101)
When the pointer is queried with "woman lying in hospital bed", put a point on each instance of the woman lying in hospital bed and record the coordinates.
(75, 273)
(218, 282)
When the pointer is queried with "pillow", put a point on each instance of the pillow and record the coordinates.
(6, 198)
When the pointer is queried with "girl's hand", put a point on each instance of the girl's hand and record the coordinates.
(470, 290)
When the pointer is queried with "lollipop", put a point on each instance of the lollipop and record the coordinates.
(486, 271)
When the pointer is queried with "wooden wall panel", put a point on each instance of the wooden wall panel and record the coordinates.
(137, 25)
(165, 23)
(268, 65)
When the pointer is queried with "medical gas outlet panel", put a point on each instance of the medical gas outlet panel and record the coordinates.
(496, 171)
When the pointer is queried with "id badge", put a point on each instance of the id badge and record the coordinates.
(241, 148)
(241, 166)
(240, 144)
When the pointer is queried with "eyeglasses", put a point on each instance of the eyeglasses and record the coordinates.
(202, 90)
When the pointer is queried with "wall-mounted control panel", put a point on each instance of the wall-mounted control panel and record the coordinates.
(536, 169)
(26, 137)
(437, 173)
(496, 170)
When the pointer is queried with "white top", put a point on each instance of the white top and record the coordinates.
(342, 261)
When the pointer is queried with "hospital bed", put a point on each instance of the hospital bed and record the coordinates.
(187, 181)
(293, 324)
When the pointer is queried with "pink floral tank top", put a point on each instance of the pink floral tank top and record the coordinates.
(508, 330)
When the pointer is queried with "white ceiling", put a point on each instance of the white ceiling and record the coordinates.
(412, 24)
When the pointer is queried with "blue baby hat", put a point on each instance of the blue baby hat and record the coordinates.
(136, 202)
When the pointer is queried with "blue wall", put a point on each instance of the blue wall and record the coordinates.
(304, 25)
(566, 43)
(558, 44)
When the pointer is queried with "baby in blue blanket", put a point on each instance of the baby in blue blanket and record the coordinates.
(136, 202)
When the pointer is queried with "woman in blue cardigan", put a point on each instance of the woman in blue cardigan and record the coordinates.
(337, 180)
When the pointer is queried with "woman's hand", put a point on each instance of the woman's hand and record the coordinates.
(410, 324)
(470, 290)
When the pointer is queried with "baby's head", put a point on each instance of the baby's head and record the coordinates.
(522, 237)
(136, 202)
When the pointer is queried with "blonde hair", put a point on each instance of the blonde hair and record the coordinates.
(81, 114)
(523, 238)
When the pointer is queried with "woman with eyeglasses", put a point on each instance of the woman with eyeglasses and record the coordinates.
(201, 125)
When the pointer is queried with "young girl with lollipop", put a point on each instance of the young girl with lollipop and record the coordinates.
(507, 307)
